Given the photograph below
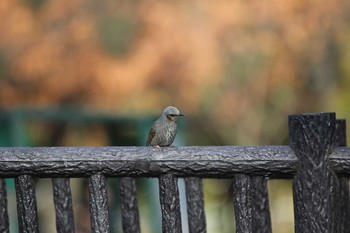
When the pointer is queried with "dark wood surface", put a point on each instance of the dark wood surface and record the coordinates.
(129, 205)
(195, 205)
(207, 161)
(63, 205)
(319, 169)
(26, 204)
(315, 186)
(170, 204)
(98, 201)
(4, 217)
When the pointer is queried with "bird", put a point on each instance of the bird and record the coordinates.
(163, 130)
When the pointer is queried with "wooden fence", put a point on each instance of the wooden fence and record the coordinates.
(317, 161)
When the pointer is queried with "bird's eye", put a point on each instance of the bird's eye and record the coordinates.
(171, 117)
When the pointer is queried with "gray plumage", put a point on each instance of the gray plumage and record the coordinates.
(163, 130)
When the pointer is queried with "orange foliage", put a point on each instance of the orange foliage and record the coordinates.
(202, 54)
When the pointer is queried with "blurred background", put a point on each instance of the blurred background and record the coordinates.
(95, 73)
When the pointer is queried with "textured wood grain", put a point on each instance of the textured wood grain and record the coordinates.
(251, 204)
(340, 161)
(315, 187)
(4, 218)
(129, 205)
(321, 200)
(99, 211)
(218, 162)
(170, 204)
(344, 199)
(243, 202)
(26, 204)
(195, 205)
(63, 205)
(261, 216)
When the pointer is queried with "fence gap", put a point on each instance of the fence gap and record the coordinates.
(315, 187)
(170, 204)
(26, 204)
(98, 202)
(129, 205)
(195, 205)
(63, 205)
(4, 217)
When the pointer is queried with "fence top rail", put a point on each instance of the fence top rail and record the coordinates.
(203, 161)
(340, 161)
(200, 161)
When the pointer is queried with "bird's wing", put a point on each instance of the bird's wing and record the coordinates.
(151, 135)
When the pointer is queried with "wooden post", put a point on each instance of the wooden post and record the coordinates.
(129, 205)
(243, 202)
(170, 204)
(63, 205)
(195, 205)
(261, 217)
(4, 217)
(344, 198)
(251, 204)
(98, 202)
(26, 204)
(315, 186)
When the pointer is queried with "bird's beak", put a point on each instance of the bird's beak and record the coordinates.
(180, 114)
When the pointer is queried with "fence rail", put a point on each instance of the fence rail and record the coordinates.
(311, 160)
(206, 161)
(199, 161)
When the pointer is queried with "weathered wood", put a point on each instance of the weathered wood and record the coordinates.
(129, 205)
(26, 204)
(63, 205)
(243, 202)
(344, 197)
(318, 194)
(98, 202)
(4, 218)
(261, 216)
(315, 187)
(170, 204)
(340, 161)
(251, 204)
(341, 132)
(195, 205)
(344, 200)
(211, 161)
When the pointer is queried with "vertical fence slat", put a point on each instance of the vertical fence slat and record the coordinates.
(4, 217)
(26, 204)
(344, 182)
(315, 187)
(341, 132)
(98, 202)
(170, 204)
(261, 215)
(243, 203)
(345, 206)
(251, 204)
(195, 205)
(129, 205)
(63, 205)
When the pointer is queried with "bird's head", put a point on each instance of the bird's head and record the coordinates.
(171, 113)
